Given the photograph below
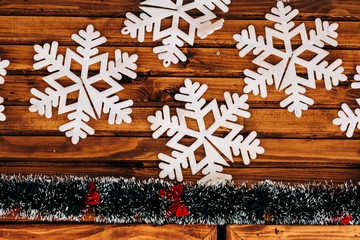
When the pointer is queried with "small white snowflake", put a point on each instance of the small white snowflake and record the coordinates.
(216, 147)
(284, 73)
(349, 120)
(158, 10)
(91, 102)
(3, 65)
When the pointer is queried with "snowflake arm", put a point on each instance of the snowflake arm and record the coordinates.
(124, 64)
(191, 95)
(211, 4)
(135, 26)
(248, 147)
(3, 65)
(324, 33)
(282, 16)
(296, 101)
(213, 173)
(47, 56)
(77, 127)
(235, 106)
(162, 122)
(171, 165)
(44, 102)
(207, 28)
(348, 120)
(169, 52)
(247, 42)
(119, 111)
(331, 74)
(356, 84)
(256, 82)
(88, 41)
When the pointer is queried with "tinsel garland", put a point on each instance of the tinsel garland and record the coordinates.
(132, 201)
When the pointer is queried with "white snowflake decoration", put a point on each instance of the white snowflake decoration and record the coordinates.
(155, 11)
(284, 72)
(216, 148)
(3, 65)
(91, 102)
(349, 120)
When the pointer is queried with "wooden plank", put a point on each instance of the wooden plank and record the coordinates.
(268, 123)
(102, 231)
(288, 232)
(240, 174)
(39, 30)
(223, 62)
(140, 151)
(157, 91)
(338, 9)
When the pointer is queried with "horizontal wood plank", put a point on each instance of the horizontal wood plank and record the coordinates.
(239, 174)
(39, 30)
(157, 91)
(268, 123)
(248, 232)
(102, 231)
(222, 62)
(338, 9)
(142, 152)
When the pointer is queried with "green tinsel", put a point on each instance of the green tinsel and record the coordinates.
(131, 201)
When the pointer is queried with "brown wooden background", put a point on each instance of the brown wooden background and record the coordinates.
(303, 149)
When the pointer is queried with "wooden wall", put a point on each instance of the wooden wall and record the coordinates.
(303, 149)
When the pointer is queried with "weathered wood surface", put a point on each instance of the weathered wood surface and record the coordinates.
(156, 91)
(215, 62)
(267, 122)
(249, 232)
(239, 174)
(31, 142)
(331, 9)
(297, 150)
(102, 231)
(142, 151)
(37, 30)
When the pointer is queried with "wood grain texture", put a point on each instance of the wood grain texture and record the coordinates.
(150, 91)
(333, 9)
(38, 30)
(248, 232)
(267, 122)
(297, 150)
(101, 231)
(143, 151)
(224, 62)
(129, 170)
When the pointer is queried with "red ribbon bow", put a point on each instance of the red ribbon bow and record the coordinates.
(174, 195)
(344, 219)
(92, 197)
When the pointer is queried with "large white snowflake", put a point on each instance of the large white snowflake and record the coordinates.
(350, 120)
(3, 65)
(284, 73)
(91, 102)
(217, 148)
(158, 10)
